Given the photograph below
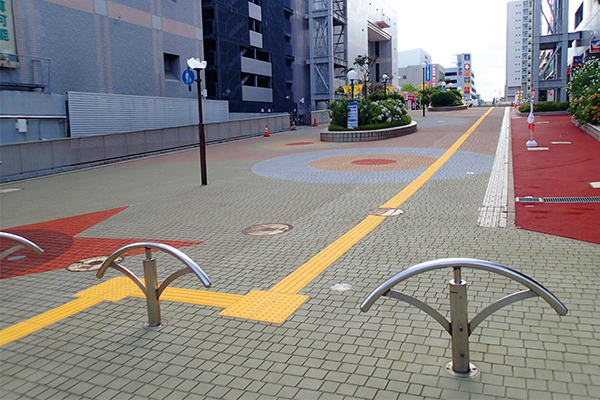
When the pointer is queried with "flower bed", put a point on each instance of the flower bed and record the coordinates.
(449, 108)
(367, 135)
(388, 116)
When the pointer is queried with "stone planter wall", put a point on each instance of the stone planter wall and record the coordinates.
(367, 136)
(449, 108)
(592, 130)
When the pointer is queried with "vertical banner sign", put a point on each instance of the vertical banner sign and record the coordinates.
(434, 75)
(532, 95)
(7, 28)
(428, 75)
(352, 115)
(595, 46)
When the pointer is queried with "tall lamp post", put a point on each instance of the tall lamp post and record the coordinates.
(385, 78)
(423, 66)
(198, 66)
(352, 75)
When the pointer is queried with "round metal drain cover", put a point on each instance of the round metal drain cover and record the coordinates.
(267, 229)
(90, 264)
(386, 212)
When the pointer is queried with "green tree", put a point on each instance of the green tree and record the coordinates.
(409, 87)
(364, 65)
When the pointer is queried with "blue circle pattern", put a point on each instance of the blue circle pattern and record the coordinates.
(295, 167)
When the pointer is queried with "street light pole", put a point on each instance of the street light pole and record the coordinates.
(352, 75)
(423, 89)
(201, 135)
(198, 66)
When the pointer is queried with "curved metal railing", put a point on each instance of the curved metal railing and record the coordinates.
(459, 327)
(152, 289)
(21, 243)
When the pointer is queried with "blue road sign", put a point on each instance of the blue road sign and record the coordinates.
(188, 77)
(352, 114)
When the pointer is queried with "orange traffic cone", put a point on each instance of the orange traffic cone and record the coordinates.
(315, 123)
(267, 131)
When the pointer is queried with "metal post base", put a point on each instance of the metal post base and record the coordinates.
(149, 327)
(473, 371)
(531, 143)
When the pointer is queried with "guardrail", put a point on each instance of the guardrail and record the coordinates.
(152, 289)
(21, 243)
(459, 326)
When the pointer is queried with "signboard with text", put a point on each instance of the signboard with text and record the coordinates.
(352, 115)
(7, 28)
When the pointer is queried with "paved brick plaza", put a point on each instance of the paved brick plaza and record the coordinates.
(223, 342)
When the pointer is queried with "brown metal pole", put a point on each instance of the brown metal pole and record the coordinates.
(202, 137)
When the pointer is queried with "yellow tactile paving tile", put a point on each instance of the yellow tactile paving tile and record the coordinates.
(49, 317)
(280, 308)
(112, 290)
(265, 306)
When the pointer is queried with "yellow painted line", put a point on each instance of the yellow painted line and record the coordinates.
(201, 297)
(415, 185)
(49, 317)
(298, 279)
(301, 277)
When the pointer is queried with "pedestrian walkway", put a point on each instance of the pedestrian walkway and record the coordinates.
(282, 317)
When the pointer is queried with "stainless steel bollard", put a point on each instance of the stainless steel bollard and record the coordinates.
(459, 326)
(152, 289)
(152, 299)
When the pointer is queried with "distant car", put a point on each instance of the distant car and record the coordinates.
(471, 102)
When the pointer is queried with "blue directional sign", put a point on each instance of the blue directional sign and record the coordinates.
(188, 77)
(352, 114)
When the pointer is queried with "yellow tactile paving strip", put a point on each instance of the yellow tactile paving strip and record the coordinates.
(274, 305)
(33, 324)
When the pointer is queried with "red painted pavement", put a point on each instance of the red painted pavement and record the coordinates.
(61, 246)
(562, 171)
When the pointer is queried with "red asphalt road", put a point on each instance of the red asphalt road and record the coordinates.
(563, 171)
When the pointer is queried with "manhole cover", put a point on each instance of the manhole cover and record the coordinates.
(90, 264)
(267, 229)
(386, 212)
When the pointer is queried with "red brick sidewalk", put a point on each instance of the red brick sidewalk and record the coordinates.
(564, 170)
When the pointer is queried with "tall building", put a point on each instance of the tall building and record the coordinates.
(413, 57)
(519, 48)
(329, 35)
(248, 48)
(416, 75)
(586, 18)
(462, 76)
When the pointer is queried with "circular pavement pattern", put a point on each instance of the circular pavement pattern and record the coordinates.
(383, 162)
(379, 165)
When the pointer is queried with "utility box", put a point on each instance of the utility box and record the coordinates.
(22, 125)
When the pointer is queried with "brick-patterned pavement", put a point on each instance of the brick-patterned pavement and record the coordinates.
(326, 348)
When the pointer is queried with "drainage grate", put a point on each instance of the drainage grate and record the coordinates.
(529, 199)
(591, 199)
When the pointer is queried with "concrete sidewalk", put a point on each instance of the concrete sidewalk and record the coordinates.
(273, 324)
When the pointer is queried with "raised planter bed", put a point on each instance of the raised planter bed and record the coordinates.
(368, 136)
(449, 108)
(592, 130)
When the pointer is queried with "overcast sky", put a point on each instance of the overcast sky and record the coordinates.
(443, 28)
